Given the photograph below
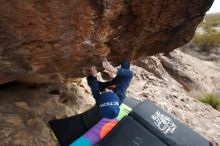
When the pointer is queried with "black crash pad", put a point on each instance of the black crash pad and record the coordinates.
(130, 133)
(165, 127)
(131, 102)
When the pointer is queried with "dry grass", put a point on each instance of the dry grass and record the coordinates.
(211, 100)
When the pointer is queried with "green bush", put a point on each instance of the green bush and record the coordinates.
(211, 100)
(207, 41)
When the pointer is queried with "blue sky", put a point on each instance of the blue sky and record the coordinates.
(215, 7)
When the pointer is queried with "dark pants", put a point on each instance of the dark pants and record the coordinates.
(69, 129)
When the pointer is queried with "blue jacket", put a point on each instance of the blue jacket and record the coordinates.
(121, 82)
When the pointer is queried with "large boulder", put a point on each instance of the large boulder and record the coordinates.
(45, 41)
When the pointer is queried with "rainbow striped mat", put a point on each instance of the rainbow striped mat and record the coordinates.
(102, 128)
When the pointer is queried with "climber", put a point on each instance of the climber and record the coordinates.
(109, 95)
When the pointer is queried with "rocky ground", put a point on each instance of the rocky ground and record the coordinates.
(172, 81)
(25, 110)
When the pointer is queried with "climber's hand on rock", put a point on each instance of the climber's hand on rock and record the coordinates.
(107, 66)
(93, 71)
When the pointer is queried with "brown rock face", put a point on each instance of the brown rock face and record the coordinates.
(43, 41)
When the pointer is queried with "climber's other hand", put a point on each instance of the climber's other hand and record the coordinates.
(93, 71)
